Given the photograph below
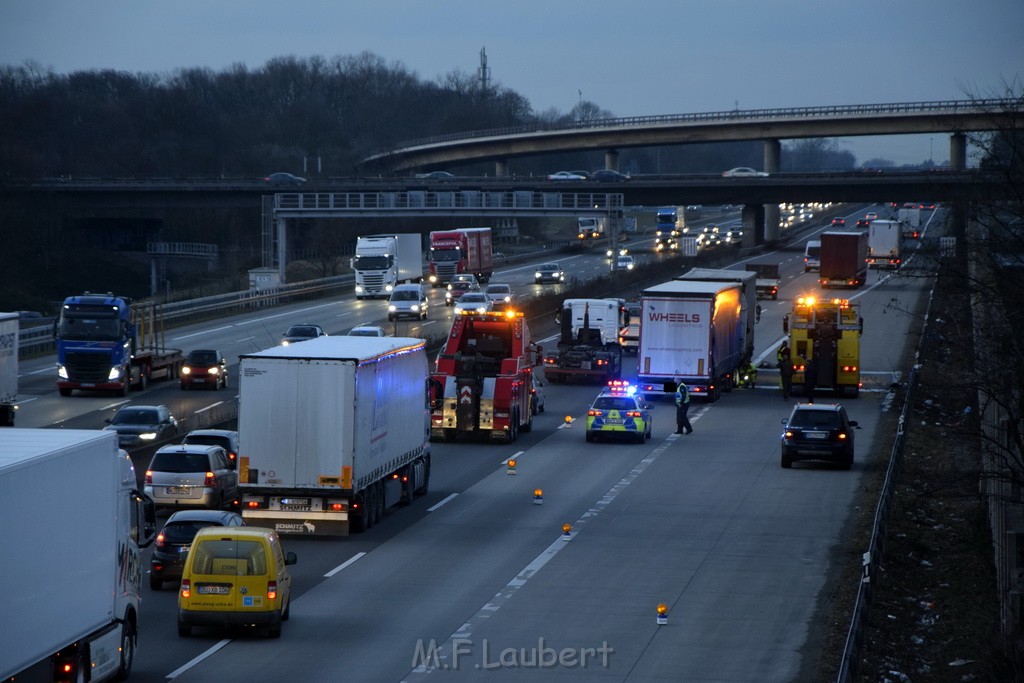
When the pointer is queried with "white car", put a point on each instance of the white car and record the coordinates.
(744, 172)
(624, 263)
(501, 295)
(566, 175)
(477, 302)
(367, 331)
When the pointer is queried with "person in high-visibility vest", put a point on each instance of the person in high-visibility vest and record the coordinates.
(682, 407)
(747, 376)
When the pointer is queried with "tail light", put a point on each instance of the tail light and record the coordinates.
(160, 540)
(232, 456)
(149, 476)
(186, 588)
(271, 590)
(211, 479)
(594, 413)
(634, 413)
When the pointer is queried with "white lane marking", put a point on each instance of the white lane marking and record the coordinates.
(212, 405)
(530, 570)
(196, 334)
(437, 505)
(116, 404)
(512, 457)
(27, 400)
(182, 669)
(37, 372)
(344, 564)
(249, 338)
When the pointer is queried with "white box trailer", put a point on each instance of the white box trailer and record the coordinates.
(332, 432)
(884, 239)
(748, 280)
(8, 368)
(69, 557)
(691, 330)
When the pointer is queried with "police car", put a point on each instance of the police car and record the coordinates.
(619, 411)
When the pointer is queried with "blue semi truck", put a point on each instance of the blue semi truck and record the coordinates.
(105, 343)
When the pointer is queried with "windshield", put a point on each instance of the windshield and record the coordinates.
(202, 358)
(373, 262)
(405, 295)
(473, 298)
(301, 332)
(103, 326)
(134, 416)
(444, 255)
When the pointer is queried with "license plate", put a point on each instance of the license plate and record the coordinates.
(816, 435)
(178, 489)
(213, 590)
(613, 421)
(184, 548)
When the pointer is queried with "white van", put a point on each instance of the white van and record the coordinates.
(408, 301)
(812, 255)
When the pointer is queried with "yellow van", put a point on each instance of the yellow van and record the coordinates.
(235, 576)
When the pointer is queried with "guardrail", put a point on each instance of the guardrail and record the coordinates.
(872, 559)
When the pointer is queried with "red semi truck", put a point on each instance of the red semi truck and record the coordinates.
(467, 250)
(843, 259)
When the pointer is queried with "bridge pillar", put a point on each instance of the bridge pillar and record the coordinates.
(501, 168)
(772, 154)
(958, 151)
(753, 220)
(282, 241)
(611, 159)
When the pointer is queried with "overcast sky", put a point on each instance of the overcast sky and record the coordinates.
(631, 57)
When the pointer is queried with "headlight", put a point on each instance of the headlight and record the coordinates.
(392, 308)
(285, 343)
(388, 288)
(432, 278)
(359, 289)
(508, 299)
(186, 370)
(415, 307)
(213, 371)
(537, 274)
(147, 436)
(62, 372)
(115, 373)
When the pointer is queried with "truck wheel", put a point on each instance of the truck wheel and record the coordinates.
(123, 391)
(528, 427)
(361, 521)
(426, 477)
(64, 392)
(127, 651)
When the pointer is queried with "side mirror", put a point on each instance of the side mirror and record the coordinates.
(853, 423)
(784, 420)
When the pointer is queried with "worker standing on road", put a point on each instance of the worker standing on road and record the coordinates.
(811, 378)
(786, 376)
(783, 352)
(747, 376)
(682, 407)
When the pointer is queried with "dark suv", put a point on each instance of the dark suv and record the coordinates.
(175, 538)
(818, 431)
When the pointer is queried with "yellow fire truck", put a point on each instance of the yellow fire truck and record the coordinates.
(826, 333)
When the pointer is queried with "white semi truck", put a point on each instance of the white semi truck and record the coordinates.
(884, 239)
(333, 431)
(750, 282)
(383, 261)
(70, 564)
(8, 368)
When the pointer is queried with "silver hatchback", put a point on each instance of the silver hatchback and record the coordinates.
(192, 476)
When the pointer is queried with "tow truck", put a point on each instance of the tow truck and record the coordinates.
(826, 333)
(482, 386)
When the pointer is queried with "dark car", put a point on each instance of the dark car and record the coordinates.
(204, 367)
(297, 333)
(607, 175)
(436, 175)
(142, 425)
(284, 179)
(818, 431)
(549, 272)
(174, 540)
(459, 285)
(838, 222)
(863, 223)
(192, 476)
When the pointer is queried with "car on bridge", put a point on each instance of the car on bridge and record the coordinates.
(607, 175)
(436, 175)
(744, 172)
(284, 179)
(566, 175)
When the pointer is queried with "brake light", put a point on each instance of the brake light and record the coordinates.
(160, 540)
(232, 456)
(211, 479)
(149, 476)
(186, 588)
(252, 504)
(634, 413)
(271, 590)
(595, 413)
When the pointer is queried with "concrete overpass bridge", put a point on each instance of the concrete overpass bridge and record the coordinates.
(956, 118)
